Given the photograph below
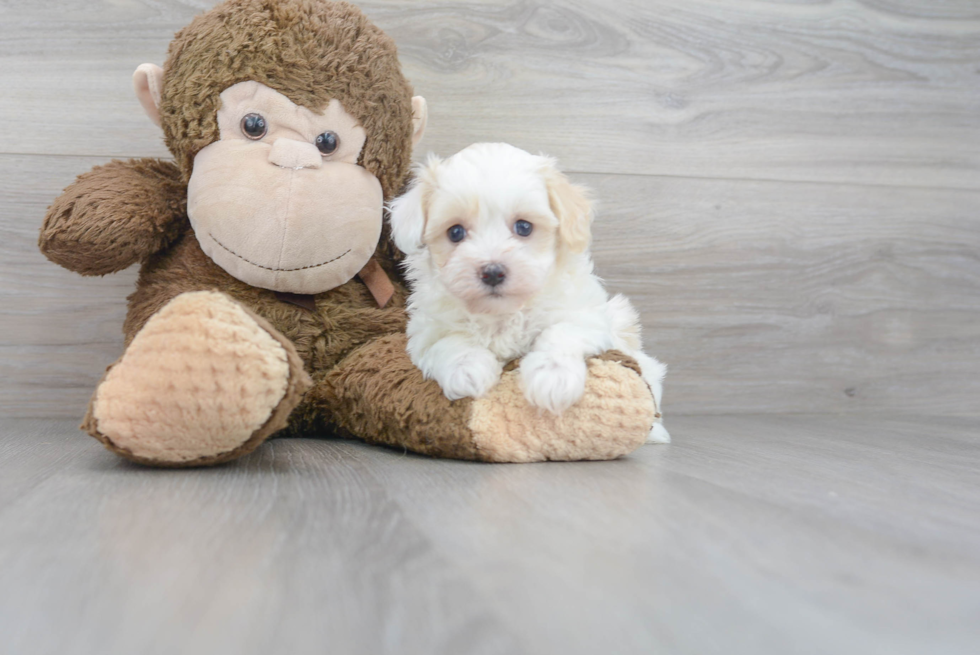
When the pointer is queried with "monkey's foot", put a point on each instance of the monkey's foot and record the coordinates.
(377, 394)
(203, 382)
(612, 418)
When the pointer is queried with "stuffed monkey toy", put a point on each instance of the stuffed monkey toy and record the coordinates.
(269, 297)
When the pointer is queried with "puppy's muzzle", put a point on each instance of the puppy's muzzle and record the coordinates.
(493, 275)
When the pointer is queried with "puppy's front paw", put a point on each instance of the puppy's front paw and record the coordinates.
(553, 381)
(470, 375)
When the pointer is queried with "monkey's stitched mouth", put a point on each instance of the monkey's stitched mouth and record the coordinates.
(279, 270)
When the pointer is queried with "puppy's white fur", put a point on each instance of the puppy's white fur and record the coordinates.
(550, 308)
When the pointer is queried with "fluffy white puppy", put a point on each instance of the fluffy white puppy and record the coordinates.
(497, 250)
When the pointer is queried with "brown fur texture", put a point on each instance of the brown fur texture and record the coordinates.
(311, 51)
(345, 317)
(378, 392)
(146, 200)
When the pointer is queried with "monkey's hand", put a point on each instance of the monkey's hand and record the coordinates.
(115, 215)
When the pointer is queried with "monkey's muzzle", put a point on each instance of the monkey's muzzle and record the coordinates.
(300, 229)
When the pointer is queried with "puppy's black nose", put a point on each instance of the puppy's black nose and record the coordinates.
(493, 274)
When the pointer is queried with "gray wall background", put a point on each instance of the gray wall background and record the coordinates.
(790, 191)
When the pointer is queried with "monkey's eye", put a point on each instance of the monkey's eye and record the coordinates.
(523, 228)
(457, 233)
(254, 127)
(328, 142)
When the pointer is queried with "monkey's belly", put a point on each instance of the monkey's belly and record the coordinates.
(345, 317)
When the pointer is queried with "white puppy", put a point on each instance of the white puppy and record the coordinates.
(497, 250)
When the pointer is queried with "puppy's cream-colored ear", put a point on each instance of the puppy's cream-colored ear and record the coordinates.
(148, 84)
(408, 211)
(573, 208)
(407, 218)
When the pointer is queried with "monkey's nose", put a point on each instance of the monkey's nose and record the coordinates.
(289, 153)
(493, 274)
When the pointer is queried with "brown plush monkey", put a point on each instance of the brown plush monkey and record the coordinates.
(269, 296)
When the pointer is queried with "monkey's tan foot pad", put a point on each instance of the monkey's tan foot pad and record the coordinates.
(203, 382)
(612, 419)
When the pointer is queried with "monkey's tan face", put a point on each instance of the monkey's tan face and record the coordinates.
(279, 201)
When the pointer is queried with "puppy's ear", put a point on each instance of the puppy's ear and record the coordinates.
(573, 207)
(408, 211)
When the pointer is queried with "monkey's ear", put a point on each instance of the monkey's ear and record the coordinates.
(572, 206)
(420, 116)
(148, 84)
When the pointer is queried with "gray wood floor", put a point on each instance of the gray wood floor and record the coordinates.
(790, 193)
(749, 535)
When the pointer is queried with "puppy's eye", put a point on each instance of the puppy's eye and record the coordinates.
(328, 142)
(457, 233)
(254, 127)
(522, 228)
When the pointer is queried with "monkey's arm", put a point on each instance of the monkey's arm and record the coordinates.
(376, 394)
(115, 215)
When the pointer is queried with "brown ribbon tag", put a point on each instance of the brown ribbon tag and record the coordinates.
(377, 282)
